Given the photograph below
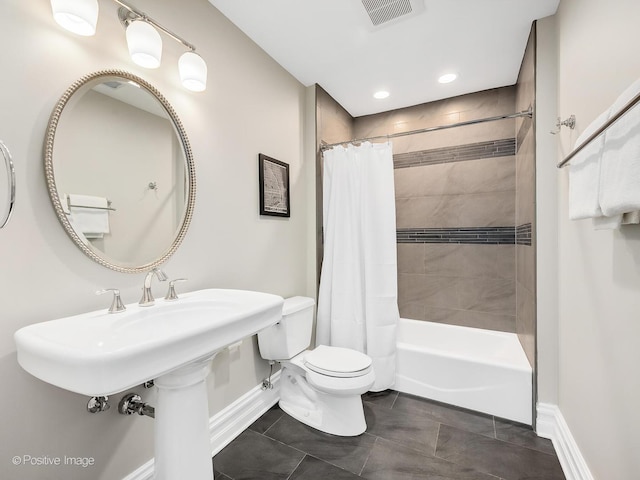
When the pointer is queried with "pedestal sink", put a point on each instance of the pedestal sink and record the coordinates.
(99, 354)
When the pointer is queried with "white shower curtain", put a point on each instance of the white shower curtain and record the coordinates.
(357, 303)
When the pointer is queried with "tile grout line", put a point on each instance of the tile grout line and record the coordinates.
(368, 456)
(264, 434)
(307, 454)
(296, 467)
(506, 442)
(331, 463)
(435, 447)
(270, 426)
(394, 401)
(508, 190)
(522, 445)
(528, 447)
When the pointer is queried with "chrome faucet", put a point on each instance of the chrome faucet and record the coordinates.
(116, 305)
(147, 297)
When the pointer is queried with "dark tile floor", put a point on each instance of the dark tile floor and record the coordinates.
(408, 438)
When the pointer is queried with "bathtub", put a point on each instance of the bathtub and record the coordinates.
(482, 370)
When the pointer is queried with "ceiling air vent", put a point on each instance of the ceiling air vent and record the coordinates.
(113, 84)
(383, 11)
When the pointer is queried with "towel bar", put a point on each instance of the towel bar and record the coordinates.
(109, 207)
(97, 208)
(632, 103)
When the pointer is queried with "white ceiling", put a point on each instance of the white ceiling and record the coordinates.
(333, 43)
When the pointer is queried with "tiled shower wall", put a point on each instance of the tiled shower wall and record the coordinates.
(333, 125)
(456, 209)
(525, 205)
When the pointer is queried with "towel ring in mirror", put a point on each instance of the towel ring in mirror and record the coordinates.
(6, 204)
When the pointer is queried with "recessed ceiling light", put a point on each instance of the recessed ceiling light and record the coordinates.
(381, 94)
(448, 78)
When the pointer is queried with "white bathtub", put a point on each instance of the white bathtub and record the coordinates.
(482, 370)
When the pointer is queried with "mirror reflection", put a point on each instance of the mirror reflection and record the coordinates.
(121, 173)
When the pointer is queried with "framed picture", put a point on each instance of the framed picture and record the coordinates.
(274, 187)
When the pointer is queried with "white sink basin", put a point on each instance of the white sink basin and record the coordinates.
(99, 353)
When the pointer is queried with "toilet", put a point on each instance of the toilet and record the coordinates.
(321, 387)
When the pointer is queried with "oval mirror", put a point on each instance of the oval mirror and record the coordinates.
(120, 171)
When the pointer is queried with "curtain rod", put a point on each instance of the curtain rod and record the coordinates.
(524, 113)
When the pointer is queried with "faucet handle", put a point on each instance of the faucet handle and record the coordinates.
(116, 305)
(171, 293)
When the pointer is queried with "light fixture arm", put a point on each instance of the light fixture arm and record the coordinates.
(128, 13)
(142, 33)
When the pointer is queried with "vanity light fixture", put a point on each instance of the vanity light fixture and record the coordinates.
(193, 71)
(143, 37)
(145, 47)
(77, 16)
(145, 44)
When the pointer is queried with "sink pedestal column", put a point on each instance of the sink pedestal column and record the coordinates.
(182, 438)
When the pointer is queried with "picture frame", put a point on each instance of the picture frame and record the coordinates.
(274, 187)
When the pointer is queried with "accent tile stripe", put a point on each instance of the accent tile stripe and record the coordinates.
(458, 153)
(523, 234)
(469, 235)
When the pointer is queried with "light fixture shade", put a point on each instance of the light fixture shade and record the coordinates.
(77, 16)
(145, 44)
(193, 71)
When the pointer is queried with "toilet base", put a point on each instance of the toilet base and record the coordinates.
(341, 415)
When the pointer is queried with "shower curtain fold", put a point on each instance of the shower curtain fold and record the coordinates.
(357, 302)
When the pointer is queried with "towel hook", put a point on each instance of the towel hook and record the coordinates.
(569, 122)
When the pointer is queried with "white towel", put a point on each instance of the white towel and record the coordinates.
(620, 171)
(64, 201)
(91, 222)
(607, 223)
(631, 218)
(584, 173)
(610, 223)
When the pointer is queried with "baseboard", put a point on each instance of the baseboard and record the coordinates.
(551, 424)
(233, 420)
(229, 423)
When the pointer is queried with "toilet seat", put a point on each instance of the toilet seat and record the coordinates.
(337, 362)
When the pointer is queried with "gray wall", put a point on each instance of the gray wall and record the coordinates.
(546, 214)
(106, 157)
(455, 209)
(333, 125)
(251, 106)
(525, 204)
(598, 271)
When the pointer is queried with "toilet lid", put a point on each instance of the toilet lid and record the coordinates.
(337, 361)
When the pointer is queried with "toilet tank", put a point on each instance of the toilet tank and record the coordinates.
(292, 334)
